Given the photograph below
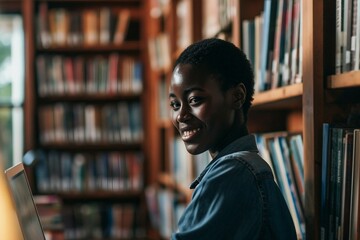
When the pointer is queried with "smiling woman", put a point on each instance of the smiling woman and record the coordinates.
(210, 94)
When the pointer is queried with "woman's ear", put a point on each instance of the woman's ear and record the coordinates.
(239, 95)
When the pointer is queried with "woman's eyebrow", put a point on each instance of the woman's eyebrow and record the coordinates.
(187, 91)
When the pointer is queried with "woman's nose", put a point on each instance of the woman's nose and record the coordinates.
(183, 115)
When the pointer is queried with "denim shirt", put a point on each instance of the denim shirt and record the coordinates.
(235, 197)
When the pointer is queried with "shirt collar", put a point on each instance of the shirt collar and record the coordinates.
(245, 143)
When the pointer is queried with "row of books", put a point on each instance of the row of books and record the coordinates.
(111, 74)
(347, 41)
(102, 221)
(340, 178)
(88, 123)
(284, 154)
(80, 172)
(218, 15)
(91, 26)
(49, 210)
(273, 43)
(184, 36)
(160, 52)
(164, 209)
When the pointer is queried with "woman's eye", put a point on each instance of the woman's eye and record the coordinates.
(174, 105)
(195, 100)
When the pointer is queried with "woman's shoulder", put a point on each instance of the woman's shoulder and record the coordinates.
(245, 161)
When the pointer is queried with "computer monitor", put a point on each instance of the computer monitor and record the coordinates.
(24, 203)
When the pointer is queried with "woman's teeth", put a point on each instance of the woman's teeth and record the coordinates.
(189, 133)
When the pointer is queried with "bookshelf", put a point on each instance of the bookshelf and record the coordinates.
(323, 95)
(317, 94)
(86, 84)
(344, 80)
(171, 28)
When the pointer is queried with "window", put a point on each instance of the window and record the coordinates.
(11, 89)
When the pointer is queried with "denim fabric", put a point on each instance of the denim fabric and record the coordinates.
(235, 197)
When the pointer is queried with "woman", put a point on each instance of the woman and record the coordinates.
(235, 197)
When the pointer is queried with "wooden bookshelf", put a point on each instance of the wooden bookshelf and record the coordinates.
(321, 96)
(345, 80)
(280, 96)
(132, 46)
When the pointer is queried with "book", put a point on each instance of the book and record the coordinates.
(159, 51)
(333, 181)
(184, 24)
(269, 24)
(264, 151)
(277, 148)
(347, 22)
(325, 182)
(44, 37)
(354, 12)
(289, 32)
(279, 31)
(296, 51)
(356, 25)
(211, 18)
(297, 163)
(122, 26)
(49, 208)
(90, 27)
(346, 186)
(249, 39)
(355, 185)
(258, 37)
(104, 25)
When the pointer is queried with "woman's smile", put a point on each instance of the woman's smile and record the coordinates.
(188, 135)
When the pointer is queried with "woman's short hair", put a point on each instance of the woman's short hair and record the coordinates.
(224, 60)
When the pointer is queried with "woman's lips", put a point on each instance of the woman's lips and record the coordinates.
(188, 134)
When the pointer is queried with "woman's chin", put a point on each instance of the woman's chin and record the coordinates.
(194, 149)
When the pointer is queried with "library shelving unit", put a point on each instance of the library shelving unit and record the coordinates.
(170, 28)
(321, 95)
(85, 115)
(175, 24)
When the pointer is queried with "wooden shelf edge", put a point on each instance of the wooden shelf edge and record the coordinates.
(89, 97)
(92, 146)
(127, 46)
(91, 195)
(86, 1)
(278, 94)
(344, 80)
(166, 180)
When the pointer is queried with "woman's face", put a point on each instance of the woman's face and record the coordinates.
(200, 110)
